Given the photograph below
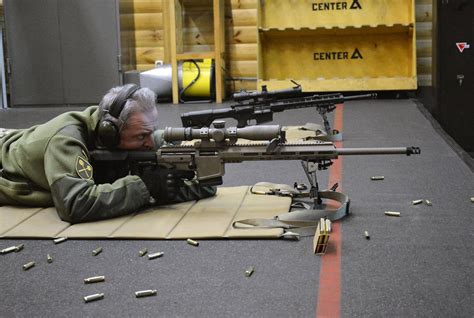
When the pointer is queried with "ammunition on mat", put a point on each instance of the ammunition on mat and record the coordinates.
(192, 242)
(328, 225)
(155, 255)
(93, 297)
(415, 202)
(49, 258)
(143, 252)
(19, 247)
(97, 251)
(95, 279)
(29, 265)
(8, 250)
(472, 199)
(391, 213)
(59, 240)
(249, 271)
(145, 293)
(375, 178)
(321, 237)
(428, 202)
(367, 236)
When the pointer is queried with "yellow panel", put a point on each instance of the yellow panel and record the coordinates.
(346, 84)
(330, 13)
(356, 53)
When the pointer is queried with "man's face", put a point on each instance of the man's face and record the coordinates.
(137, 134)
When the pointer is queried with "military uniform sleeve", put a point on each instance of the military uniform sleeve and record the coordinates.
(76, 197)
(192, 190)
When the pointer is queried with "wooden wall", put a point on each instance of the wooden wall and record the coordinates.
(424, 28)
(142, 34)
(142, 21)
(144, 37)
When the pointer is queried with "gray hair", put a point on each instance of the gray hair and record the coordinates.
(143, 101)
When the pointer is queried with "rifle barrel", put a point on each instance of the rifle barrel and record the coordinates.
(379, 151)
(363, 96)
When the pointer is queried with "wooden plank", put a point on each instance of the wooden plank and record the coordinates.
(237, 86)
(242, 52)
(242, 4)
(232, 4)
(144, 38)
(144, 67)
(196, 4)
(198, 36)
(141, 21)
(424, 31)
(175, 22)
(423, 65)
(423, 49)
(195, 55)
(219, 48)
(425, 80)
(242, 68)
(241, 34)
(166, 31)
(140, 6)
(198, 48)
(144, 55)
(234, 34)
(424, 13)
(199, 19)
(229, 4)
(243, 17)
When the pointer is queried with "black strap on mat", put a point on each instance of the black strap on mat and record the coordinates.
(305, 220)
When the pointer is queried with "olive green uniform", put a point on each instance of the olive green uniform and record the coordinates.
(48, 165)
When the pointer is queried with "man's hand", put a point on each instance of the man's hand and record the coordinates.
(164, 184)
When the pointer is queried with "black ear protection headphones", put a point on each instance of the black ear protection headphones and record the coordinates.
(108, 130)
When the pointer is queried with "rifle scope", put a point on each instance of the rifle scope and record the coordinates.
(262, 132)
(265, 94)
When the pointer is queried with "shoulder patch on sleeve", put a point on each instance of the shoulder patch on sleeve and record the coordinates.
(83, 168)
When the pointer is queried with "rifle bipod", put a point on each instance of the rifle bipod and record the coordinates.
(302, 222)
(310, 169)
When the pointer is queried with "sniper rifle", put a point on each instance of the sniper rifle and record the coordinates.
(260, 106)
(213, 148)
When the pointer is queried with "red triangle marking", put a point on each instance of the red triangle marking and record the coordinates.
(461, 46)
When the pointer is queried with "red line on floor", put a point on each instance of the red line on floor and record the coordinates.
(329, 294)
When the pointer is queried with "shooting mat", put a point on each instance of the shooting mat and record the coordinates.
(205, 219)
